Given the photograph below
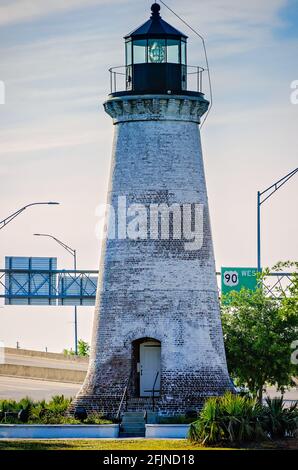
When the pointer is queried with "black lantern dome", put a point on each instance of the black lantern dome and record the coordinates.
(155, 27)
(156, 57)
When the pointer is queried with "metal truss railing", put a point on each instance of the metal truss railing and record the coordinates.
(76, 287)
(278, 284)
(48, 287)
(275, 284)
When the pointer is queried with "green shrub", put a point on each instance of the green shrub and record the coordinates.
(55, 419)
(8, 405)
(96, 418)
(280, 421)
(83, 349)
(208, 428)
(229, 418)
(235, 419)
(58, 404)
(42, 412)
(38, 411)
(9, 410)
(14, 406)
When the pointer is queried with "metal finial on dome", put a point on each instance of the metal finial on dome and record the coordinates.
(155, 8)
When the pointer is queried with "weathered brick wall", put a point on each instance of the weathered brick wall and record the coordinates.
(156, 288)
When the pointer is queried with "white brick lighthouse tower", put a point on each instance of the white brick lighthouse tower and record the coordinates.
(157, 336)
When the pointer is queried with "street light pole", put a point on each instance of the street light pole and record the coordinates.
(8, 219)
(267, 193)
(259, 231)
(73, 252)
(75, 309)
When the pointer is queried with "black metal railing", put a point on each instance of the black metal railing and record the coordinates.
(124, 397)
(120, 78)
(153, 391)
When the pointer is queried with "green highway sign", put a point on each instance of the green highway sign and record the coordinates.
(238, 278)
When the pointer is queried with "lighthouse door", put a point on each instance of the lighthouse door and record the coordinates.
(149, 368)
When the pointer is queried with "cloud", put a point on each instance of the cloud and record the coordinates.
(229, 26)
(53, 133)
(19, 11)
(221, 12)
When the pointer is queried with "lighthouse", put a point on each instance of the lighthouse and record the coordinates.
(157, 341)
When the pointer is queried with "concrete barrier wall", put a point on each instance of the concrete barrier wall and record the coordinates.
(167, 431)
(63, 431)
(43, 373)
(43, 354)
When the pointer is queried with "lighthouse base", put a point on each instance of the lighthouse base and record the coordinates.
(183, 392)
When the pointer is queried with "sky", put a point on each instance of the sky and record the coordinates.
(55, 138)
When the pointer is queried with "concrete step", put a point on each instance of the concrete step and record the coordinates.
(136, 429)
(129, 421)
(132, 424)
(134, 414)
(131, 434)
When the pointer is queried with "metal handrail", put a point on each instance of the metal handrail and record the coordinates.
(111, 69)
(197, 67)
(121, 402)
(121, 70)
(153, 391)
(124, 395)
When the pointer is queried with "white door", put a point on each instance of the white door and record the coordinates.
(149, 367)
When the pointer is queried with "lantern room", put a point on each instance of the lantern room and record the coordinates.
(156, 57)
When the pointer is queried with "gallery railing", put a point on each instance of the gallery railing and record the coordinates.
(120, 78)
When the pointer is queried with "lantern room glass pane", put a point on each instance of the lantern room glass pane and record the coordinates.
(156, 50)
(183, 52)
(139, 51)
(173, 51)
(128, 53)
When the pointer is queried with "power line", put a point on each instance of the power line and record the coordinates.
(205, 53)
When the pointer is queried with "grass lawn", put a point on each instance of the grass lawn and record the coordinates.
(100, 444)
(134, 444)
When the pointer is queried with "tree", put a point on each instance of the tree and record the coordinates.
(83, 349)
(258, 333)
